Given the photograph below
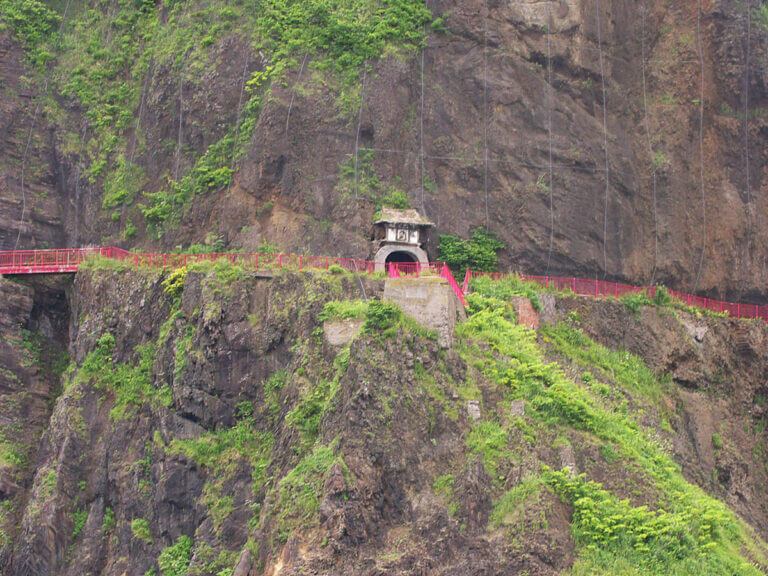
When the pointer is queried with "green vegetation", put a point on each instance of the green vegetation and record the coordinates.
(174, 560)
(141, 530)
(506, 510)
(78, 520)
(132, 385)
(343, 310)
(627, 369)
(108, 522)
(298, 491)
(477, 253)
(443, 487)
(34, 23)
(682, 530)
(107, 55)
(222, 451)
(507, 286)
(717, 441)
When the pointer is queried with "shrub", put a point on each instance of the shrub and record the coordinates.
(174, 560)
(633, 302)
(477, 253)
(108, 523)
(717, 441)
(141, 530)
(662, 296)
(381, 316)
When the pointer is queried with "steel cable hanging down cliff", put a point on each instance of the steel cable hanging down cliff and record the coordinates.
(650, 152)
(549, 133)
(701, 149)
(31, 132)
(605, 143)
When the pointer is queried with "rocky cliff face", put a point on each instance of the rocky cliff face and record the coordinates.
(226, 423)
(613, 138)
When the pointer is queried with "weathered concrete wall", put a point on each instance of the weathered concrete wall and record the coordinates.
(430, 301)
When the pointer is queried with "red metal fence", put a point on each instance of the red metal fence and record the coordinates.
(69, 259)
(434, 269)
(601, 288)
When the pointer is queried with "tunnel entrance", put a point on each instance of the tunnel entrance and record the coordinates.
(401, 256)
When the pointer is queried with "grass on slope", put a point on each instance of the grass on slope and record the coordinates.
(686, 531)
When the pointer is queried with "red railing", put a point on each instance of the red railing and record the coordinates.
(602, 289)
(433, 269)
(69, 259)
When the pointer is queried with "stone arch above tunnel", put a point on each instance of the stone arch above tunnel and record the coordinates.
(399, 253)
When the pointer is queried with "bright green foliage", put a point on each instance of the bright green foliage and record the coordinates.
(132, 385)
(122, 184)
(381, 316)
(222, 451)
(505, 287)
(507, 509)
(489, 440)
(693, 533)
(343, 310)
(108, 522)
(348, 31)
(33, 22)
(662, 296)
(477, 253)
(174, 560)
(306, 416)
(717, 441)
(78, 521)
(174, 284)
(627, 369)
(299, 489)
(141, 530)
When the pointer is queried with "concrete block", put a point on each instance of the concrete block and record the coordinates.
(473, 410)
(341, 332)
(428, 300)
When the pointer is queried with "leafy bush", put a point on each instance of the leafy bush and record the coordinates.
(78, 520)
(717, 441)
(141, 530)
(344, 310)
(174, 559)
(662, 297)
(108, 523)
(34, 23)
(132, 385)
(477, 253)
(173, 285)
(381, 316)
(299, 489)
(634, 302)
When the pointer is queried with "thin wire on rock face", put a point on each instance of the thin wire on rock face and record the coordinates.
(746, 131)
(485, 111)
(359, 124)
(237, 121)
(293, 91)
(549, 130)
(650, 153)
(421, 123)
(701, 149)
(31, 131)
(605, 144)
